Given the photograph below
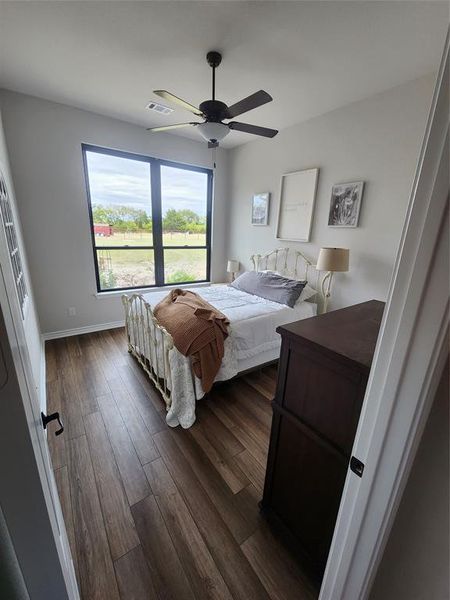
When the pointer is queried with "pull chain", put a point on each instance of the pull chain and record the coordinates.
(214, 154)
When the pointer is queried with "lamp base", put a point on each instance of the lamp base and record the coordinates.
(326, 290)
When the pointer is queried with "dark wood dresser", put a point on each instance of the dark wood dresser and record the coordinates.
(324, 366)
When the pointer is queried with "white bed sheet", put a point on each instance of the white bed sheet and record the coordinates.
(252, 334)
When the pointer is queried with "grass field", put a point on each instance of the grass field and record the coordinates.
(146, 239)
(131, 268)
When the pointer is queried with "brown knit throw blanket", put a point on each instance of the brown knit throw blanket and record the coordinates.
(198, 330)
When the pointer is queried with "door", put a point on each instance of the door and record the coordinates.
(28, 495)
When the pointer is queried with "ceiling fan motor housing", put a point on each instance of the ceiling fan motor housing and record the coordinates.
(214, 110)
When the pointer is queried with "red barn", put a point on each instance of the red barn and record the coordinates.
(103, 230)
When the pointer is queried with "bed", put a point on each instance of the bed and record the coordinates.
(252, 340)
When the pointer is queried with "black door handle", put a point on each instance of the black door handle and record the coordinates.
(53, 417)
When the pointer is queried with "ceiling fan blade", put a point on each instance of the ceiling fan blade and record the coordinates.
(213, 144)
(171, 98)
(249, 103)
(168, 127)
(255, 129)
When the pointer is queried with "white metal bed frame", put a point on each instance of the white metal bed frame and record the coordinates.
(150, 343)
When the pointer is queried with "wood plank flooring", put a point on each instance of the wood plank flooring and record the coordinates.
(160, 513)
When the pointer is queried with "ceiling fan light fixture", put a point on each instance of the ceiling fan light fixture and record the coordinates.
(213, 131)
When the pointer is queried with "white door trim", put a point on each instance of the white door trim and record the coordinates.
(406, 368)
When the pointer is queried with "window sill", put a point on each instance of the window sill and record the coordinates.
(115, 293)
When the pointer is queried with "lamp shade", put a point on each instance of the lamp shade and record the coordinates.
(333, 259)
(233, 266)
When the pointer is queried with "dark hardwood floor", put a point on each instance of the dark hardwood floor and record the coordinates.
(154, 512)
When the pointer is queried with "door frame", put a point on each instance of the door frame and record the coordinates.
(411, 351)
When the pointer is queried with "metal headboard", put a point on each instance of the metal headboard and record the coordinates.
(295, 265)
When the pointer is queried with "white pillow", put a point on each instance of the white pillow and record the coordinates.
(307, 292)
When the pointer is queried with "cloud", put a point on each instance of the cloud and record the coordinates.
(122, 181)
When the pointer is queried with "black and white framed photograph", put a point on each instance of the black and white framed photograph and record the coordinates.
(260, 209)
(345, 204)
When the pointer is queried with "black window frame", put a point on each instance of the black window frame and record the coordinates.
(157, 230)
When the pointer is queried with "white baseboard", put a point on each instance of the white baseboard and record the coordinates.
(52, 335)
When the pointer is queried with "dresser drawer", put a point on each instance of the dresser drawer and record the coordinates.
(306, 488)
(323, 394)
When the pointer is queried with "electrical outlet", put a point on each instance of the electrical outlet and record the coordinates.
(71, 311)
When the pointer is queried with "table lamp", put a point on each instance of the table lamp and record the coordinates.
(233, 268)
(332, 260)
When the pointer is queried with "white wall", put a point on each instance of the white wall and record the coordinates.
(376, 140)
(415, 564)
(31, 321)
(44, 140)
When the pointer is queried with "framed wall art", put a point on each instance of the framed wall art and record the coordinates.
(260, 208)
(297, 198)
(345, 204)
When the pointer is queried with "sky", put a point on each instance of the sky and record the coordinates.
(121, 181)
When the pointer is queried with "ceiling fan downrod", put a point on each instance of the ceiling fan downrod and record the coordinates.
(214, 59)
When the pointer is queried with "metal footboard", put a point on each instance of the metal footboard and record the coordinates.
(149, 342)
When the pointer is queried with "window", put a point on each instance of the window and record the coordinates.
(12, 243)
(150, 220)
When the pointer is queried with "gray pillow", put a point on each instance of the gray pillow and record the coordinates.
(270, 286)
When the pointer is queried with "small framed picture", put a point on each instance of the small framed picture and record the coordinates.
(345, 204)
(260, 209)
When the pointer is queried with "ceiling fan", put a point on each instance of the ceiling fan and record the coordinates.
(214, 112)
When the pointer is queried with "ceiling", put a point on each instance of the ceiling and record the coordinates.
(312, 57)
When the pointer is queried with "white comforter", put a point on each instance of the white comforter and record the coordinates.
(253, 321)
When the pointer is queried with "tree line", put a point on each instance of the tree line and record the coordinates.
(125, 219)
